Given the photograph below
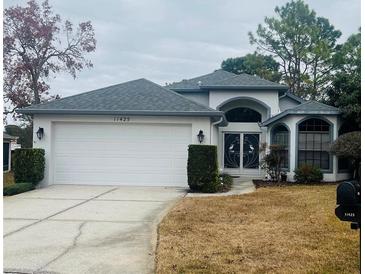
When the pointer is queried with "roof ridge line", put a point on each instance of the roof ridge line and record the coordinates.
(207, 75)
(250, 75)
(201, 76)
(182, 96)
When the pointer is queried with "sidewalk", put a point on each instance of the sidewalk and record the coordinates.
(240, 186)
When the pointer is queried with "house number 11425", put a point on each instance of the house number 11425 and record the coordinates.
(121, 119)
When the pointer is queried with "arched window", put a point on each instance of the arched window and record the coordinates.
(314, 143)
(243, 115)
(280, 136)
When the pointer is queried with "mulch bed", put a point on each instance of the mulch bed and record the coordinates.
(267, 183)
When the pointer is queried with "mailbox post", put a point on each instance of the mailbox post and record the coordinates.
(348, 203)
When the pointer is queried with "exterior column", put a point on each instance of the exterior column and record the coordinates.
(292, 147)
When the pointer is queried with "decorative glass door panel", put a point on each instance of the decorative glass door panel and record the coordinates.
(241, 150)
(250, 158)
(232, 150)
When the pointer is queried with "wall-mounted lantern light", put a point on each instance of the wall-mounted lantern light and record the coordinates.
(200, 136)
(40, 133)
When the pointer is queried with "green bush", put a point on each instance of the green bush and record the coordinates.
(203, 168)
(272, 161)
(308, 174)
(348, 146)
(17, 188)
(28, 165)
(226, 182)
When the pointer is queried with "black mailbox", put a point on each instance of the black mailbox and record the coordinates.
(349, 203)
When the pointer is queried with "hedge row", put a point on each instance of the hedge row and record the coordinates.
(28, 165)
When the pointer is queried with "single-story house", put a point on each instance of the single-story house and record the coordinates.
(138, 132)
(7, 141)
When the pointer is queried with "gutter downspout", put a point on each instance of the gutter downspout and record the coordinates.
(211, 129)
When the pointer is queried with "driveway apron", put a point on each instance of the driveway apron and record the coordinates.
(84, 229)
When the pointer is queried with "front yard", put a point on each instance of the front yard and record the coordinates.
(289, 229)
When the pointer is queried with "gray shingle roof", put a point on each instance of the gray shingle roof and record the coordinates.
(138, 97)
(292, 96)
(309, 107)
(221, 79)
(245, 81)
(207, 79)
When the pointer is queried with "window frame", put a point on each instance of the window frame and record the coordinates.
(241, 107)
(288, 146)
(331, 139)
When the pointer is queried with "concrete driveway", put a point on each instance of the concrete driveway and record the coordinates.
(84, 229)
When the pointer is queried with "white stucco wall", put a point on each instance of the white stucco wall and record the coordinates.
(270, 98)
(47, 123)
(199, 97)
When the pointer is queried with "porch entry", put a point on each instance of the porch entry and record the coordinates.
(241, 150)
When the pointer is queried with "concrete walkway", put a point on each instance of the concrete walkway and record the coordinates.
(240, 186)
(84, 229)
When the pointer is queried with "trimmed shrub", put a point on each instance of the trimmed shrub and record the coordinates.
(17, 188)
(29, 165)
(203, 168)
(226, 182)
(348, 146)
(308, 174)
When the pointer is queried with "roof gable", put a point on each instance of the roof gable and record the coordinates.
(245, 81)
(314, 106)
(292, 96)
(135, 97)
(309, 107)
(207, 79)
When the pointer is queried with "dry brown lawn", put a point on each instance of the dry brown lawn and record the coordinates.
(289, 229)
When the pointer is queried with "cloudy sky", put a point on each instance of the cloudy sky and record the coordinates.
(170, 40)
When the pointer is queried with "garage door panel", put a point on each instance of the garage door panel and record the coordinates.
(129, 179)
(124, 132)
(109, 154)
(112, 164)
(83, 149)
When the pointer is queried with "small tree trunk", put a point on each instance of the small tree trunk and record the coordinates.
(37, 99)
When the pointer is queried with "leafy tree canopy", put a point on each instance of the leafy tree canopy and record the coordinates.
(348, 146)
(25, 134)
(345, 89)
(37, 43)
(303, 43)
(263, 66)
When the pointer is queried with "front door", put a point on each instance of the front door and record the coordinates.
(250, 157)
(241, 150)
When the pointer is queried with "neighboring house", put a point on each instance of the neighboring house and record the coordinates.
(137, 133)
(8, 140)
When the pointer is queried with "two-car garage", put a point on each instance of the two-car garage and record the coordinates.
(120, 154)
(134, 133)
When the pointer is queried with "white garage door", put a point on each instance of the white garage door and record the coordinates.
(123, 154)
